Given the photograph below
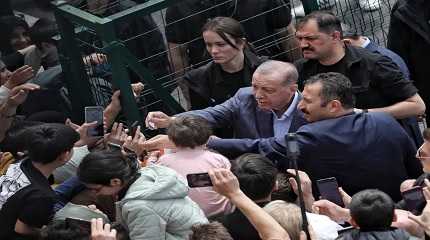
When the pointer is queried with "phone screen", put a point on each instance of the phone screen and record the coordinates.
(79, 223)
(94, 114)
(414, 199)
(199, 180)
(328, 189)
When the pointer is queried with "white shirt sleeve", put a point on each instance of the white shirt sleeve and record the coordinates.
(4, 94)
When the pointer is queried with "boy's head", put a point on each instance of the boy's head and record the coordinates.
(210, 231)
(372, 210)
(256, 175)
(189, 131)
(49, 142)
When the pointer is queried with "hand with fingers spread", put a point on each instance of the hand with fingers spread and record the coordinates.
(85, 139)
(156, 120)
(424, 219)
(137, 88)
(306, 185)
(117, 135)
(331, 210)
(100, 231)
(19, 93)
(95, 58)
(19, 76)
(135, 143)
(158, 142)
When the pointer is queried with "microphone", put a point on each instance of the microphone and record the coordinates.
(293, 153)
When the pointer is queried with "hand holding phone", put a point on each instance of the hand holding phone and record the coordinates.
(79, 223)
(199, 180)
(329, 190)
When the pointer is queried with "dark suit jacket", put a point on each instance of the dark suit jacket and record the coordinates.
(247, 120)
(361, 150)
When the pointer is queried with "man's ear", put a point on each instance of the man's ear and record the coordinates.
(334, 106)
(116, 182)
(347, 41)
(337, 35)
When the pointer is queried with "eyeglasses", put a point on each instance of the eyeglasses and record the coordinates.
(419, 153)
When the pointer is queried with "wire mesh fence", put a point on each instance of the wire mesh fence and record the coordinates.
(168, 41)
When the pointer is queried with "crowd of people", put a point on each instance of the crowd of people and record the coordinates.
(322, 142)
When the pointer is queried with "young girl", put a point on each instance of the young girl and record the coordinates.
(190, 134)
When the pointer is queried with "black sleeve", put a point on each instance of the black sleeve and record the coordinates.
(13, 61)
(281, 14)
(391, 81)
(37, 211)
(398, 39)
(198, 88)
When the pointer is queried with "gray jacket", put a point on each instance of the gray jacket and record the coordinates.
(156, 206)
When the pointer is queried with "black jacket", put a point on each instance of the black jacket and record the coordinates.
(409, 36)
(206, 82)
(391, 234)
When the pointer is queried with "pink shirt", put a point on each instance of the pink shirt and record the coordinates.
(200, 160)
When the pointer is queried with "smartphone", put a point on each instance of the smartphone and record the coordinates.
(329, 190)
(414, 199)
(79, 223)
(199, 180)
(93, 114)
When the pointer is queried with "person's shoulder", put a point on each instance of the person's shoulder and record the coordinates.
(199, 72)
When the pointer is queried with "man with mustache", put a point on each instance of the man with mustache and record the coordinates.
(377, 82)
(267, 109)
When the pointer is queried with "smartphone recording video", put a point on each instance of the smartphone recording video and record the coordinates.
(329, 190)
(199, 180)
(414, 199)
(95, 114)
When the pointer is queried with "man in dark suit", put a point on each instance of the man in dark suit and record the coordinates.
(267, 109)
(362, 150)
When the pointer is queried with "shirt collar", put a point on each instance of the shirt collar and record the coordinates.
(290, 108)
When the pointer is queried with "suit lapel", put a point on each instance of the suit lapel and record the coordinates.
(264, 123)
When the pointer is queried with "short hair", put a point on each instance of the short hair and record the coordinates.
(372, 210)
(209, 231)
(7, 25)
(15, 138)
(426, 134)
(46, 142)
(288, 71)
(100, 167)
(60, 230)
(327, 22)
(335, 86)
(288, 215)
(189, 131)
(42, 31)
(256, 175)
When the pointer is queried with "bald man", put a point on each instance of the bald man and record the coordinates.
(267, 109)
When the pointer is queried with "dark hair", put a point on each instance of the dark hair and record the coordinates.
(43, 31)
(101, 166)
(7, 26)
(227, 25)
(47, 141)
(372, 210)
(335, 86)
(59, 230)
(15, 138)
(189, 131)
(209, 231)
(426, 134)
(256, 175)
(327, 22)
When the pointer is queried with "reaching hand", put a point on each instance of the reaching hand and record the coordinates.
(224, 182)
(331, 210)
(424, 219)
(158, 142)
(117, 135)
(135, 143)
(137, 88)
(100, 231)
(112, 110)
(306, 185)
(19, 76)
(85, 139)
(19, 93)
(345, 197)
(156, 120)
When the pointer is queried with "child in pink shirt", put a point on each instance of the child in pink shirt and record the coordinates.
(190, 134)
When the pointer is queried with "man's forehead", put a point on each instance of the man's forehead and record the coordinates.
(272, 79)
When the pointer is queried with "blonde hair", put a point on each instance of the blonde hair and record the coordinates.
(288, 215)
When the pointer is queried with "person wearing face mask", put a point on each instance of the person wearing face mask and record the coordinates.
(233, 63)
